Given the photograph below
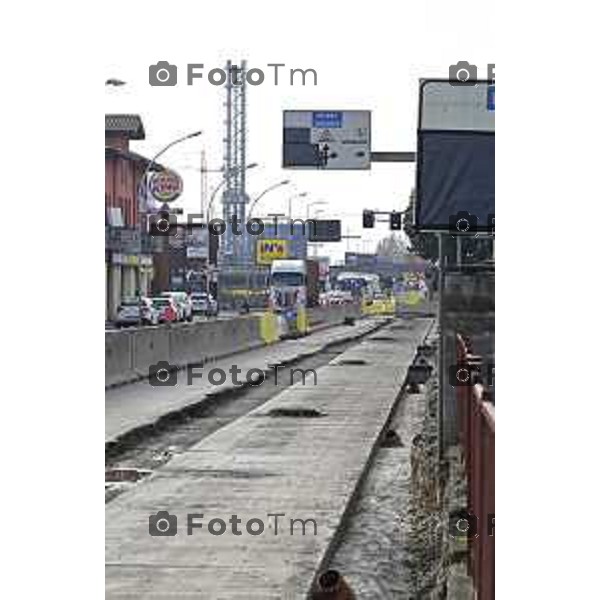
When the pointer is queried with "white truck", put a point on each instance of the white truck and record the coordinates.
(288, 294)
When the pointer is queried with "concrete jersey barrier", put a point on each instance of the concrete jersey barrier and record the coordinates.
(130, 353)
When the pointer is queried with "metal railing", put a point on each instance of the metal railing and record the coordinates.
(476, 416)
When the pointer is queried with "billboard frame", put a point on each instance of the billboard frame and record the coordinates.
(483, 229)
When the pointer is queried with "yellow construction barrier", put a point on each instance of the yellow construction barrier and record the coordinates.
(379, 307)
(412, 298)
(302, 320)
(269, 328)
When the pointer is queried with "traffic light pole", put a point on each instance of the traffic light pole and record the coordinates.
(395, 218)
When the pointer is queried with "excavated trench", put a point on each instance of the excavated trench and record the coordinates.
(145, 450)
(390, 544)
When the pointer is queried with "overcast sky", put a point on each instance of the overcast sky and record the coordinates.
(368, 58)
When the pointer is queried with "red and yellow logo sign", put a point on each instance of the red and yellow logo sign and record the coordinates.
(166, 186)
(269, 250)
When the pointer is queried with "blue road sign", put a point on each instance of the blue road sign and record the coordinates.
(327, 119)
(491, 98)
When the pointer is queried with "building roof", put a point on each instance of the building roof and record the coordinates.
(129, 125)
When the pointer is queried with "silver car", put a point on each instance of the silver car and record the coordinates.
(204, 304)
(136, 311)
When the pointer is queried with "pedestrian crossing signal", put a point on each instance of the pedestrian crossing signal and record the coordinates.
(368, 219)
(395, 221)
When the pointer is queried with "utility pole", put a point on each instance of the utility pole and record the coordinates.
(203, 183)
(349, 237)
(235, 248)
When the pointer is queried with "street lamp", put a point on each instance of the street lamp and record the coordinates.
(161, 152)
(218, 187)
(269, 189)
(254, 203)
(149, 166)
(315, 245)
(315, 203)
(301, 195)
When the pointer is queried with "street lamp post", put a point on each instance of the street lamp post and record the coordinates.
(218, 187)
(315, 245)
(269, 189)
(315, 203)
(252, 206)
(142, 210)
(161, 152)
(290, 199)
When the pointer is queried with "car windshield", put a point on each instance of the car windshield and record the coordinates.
(160, 301)
(199, 296)
(130, 303)
(287, 279)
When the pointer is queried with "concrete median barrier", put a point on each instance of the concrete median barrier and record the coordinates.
(118, 357)
(189, 343)
(129, 354)
(325, 316)
(149, 346)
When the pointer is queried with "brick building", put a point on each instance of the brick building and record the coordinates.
(128, 256)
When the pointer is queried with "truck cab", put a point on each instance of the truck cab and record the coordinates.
(287, 293)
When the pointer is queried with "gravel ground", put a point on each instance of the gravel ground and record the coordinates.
(390, 547)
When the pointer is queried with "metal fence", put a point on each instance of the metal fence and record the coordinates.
(476, 420)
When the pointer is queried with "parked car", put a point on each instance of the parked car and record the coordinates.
(136, 311)
(184, 305)
(149, 312)
(204, 304)
(167, 309)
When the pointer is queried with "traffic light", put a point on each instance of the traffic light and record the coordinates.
(395, 220)
(368, 219)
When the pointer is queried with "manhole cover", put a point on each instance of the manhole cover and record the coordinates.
(294, 411)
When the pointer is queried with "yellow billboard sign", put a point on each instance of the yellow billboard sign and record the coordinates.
(269, 250)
